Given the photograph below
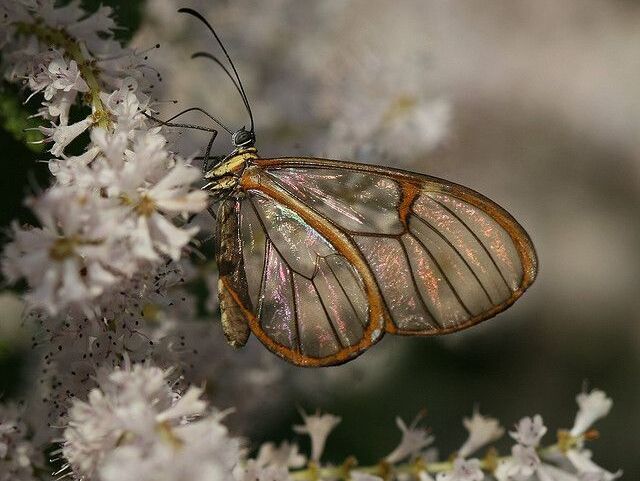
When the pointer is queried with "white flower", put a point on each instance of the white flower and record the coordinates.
(151, 206)
(587, 469)
(69, 259)
(285, 455)
(189, 404)
(112, 144)
(482, 430)
(592, 406)
(197, 451)
(523, 463)
(59, 107)
(253, 471)
(60, 16)
(414, 439)
(463, 470)
(529, 431)
(318, 427)
(65, 77)
(125, 104)
(547, 472)
(63, 135)
(135, 427)
(126, 402)
(90, 27)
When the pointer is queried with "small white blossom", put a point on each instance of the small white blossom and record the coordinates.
(463, 470)
(253, 471)
(63, 135)
(271, 464)
(523, 463)
(65, 77)
(548, 472)
(126, 105)
(318, 427)
(592, 406)
(285, 455)
(93, 27)
(529, 431)
(587, 469)
(482, 430)
(414, 439)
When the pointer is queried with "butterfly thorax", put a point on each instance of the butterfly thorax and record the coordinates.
(225, 175)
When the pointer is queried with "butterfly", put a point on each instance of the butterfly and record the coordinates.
(320, 258)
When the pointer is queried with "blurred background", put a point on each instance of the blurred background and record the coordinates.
(534, 104)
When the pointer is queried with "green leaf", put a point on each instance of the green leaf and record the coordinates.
(14, 118)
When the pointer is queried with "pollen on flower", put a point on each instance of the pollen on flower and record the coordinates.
(62, 249)
(145, 206)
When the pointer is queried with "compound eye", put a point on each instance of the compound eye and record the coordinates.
(243, 138)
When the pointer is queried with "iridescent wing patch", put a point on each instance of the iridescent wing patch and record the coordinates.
(335, 254)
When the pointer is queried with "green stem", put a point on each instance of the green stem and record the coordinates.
(314, 473)
(62, 40)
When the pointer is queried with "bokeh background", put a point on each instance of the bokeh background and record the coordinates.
(536, 104)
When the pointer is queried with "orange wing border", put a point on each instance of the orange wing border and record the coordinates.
(411, 184)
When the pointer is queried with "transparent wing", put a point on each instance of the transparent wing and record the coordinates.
(310, 304)
(442, 256)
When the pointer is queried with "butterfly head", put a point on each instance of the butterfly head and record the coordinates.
(243, 138)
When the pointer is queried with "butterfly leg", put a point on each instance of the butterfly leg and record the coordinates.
(168, 123)
(214, 133)
(191, 126)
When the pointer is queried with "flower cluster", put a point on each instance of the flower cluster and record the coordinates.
(16, 452)
(113, 209)
(105, 266)
(415, 457)
(134, 425)
(527, 459)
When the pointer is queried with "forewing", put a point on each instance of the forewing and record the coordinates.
(443, 256)
(308, 283)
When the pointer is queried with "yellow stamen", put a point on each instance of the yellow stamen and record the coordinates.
(164, 429)
(146, 206)
(62, 249)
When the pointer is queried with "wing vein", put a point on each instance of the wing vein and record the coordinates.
(475, 237)
(326, 313)
(416, 288)
(295, 309)
(266, 234)
(263, 279)
(345, 292)
(444, 274)
(442, 236)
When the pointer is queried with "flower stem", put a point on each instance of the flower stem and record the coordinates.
(60, 39)
(383, 469)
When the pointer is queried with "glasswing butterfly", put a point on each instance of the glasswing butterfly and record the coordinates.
(320, 258)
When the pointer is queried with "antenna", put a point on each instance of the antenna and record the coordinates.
(238, 81)
(226, 70)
